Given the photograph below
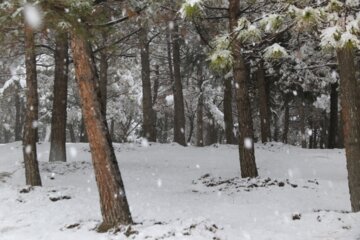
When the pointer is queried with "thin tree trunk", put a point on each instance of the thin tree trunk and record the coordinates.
(246, 134)
(228, 115)
(286, 120)
(264, 105)
(32, 103)
(17, 126)
(103, 78)
(350, 105)
(200, 113)
(72, 133)
(58, 123)
(83, 135)
(113, 201)
(302, 123)
(149, 125)
(179, 109)
(333, 126)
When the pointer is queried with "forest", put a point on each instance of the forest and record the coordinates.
(180, 119)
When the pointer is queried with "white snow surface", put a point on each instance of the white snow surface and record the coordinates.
(179, 192)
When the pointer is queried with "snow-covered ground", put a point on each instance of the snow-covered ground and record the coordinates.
(183, 193)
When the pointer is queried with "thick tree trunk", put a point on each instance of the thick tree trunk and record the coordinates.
(149, 122)
(286, 120)
(350, 105)
(32, 104)
(333, 126)
(114, 205)
(58, 123)
(228, 114)
(179, 109)
(264, 105)
(246, 134)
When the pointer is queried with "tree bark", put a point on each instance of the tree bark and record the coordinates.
(58, 123)
(149, 125)
(350, 105)
(264, 105)
(32, 105)
(228, 115)
(333, 126)
(246, 134)
(17, 126)
(200, 113)
(179, 109)
(113, 201)
(72, 133)
(286, 120)
(103, 78)
(302, 122)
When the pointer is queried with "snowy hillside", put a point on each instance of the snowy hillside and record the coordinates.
(183, 193)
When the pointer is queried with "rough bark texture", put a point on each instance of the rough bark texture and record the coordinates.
(200, 113)
(246, 138)
(228, 115)
(149, 122)
(32, 104)
(333, 126)
(58, 122)
(264, 105)
(350, 105)
(114, 205)
(179, 109)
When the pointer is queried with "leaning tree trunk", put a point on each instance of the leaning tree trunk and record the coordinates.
(149, 121)
(113, 201)
(264, 105)
(32, 104)
(179, 109)
(333, 126)
(246, 134)
(58, 122)
(350, 105)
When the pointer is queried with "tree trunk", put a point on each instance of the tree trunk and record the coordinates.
(350, 105)
(114, 205)
(83, 135)
(32, 105)
(228, 115)
(179, 109)
(103, 78)
(333, 126)
(246, 134)
(17, 126)
(302, 123)
(200, 113)
(286, 120)
(264, 105)
(58, 123)
(72, 133)
(149, 125)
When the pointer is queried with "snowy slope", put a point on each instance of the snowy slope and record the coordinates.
(183, 193)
